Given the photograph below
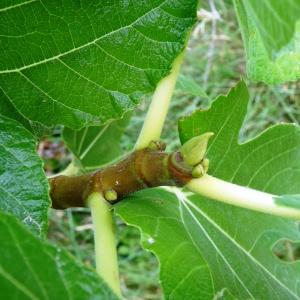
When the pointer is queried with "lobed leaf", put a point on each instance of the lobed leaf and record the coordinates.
(230, 247)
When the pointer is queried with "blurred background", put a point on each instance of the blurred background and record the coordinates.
(214, 62)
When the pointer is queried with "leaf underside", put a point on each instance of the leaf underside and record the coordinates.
(211, 249)
(271, 34)
(23, 184)
(84, 63)
(31, 269)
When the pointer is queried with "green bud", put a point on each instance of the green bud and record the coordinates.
(110, 195)
(193, 151)
(198, 171)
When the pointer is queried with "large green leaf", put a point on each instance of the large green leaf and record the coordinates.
(23, 184)
(32, 269)
(271, 33)
(229, 246)
(84, 62)
(94, 146)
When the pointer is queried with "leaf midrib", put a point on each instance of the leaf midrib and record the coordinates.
(82, 46)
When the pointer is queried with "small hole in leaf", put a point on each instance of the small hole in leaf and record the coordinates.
(287, 250)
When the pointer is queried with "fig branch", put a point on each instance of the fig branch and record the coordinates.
(148, 167)
(153, 167)
(139, 170)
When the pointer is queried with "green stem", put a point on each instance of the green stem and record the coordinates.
(105, 244)
(159, 106)
(245, 197)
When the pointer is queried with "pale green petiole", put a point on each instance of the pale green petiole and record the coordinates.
(159, 106)
(105, 244)
(245, 197)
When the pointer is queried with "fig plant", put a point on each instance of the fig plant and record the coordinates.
(211, 210)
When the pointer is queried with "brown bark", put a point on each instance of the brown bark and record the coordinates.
(140, 169)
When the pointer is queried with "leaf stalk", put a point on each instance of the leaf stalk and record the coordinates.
(158, 109)
(105, 244)
(241, 196)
